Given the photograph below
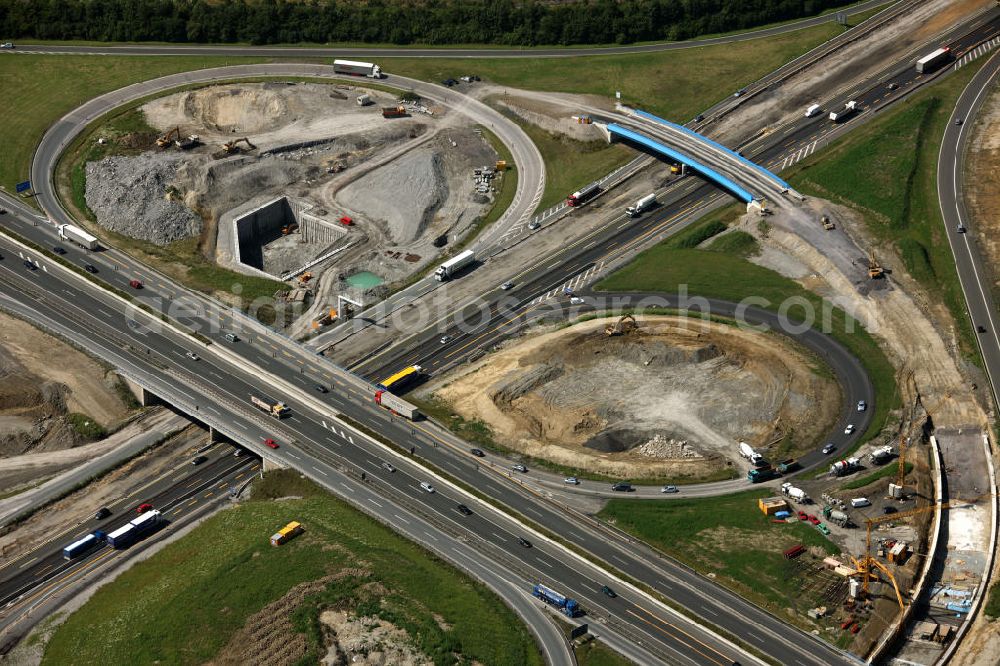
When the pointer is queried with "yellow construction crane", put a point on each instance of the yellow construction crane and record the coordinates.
(867, 561)
(626, 324)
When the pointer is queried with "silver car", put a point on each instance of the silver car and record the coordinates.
(571, 481)
(668, 489)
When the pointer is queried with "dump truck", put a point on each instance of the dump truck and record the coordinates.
(82, 546)
(450, 268)
(128, 534)
(396, 405)
(364, 100)
(932, 60)
(750, 454)
(786, 466)
(286, 533)
(357, 68)
(272, 407)
(565, 605)
(763, 474)
(845, 113)
(77, 235)
(842, 467)
(584, 195)
(393, 111)
(641, 206)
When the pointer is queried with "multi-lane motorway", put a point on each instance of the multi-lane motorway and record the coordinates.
(316, 444)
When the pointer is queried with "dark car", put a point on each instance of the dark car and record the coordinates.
(888, 510)
(102, 513)
(90, 268)
(622, 487)
(524, 542)
(320, 388)
(59, 250)
(828, 449)
(29, 265)
(958, 121)
(464, 510)
(699, 118)
(477, 452)
(608, 592)
(981, 328)
(198, 460)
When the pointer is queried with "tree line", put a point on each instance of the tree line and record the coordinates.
(499, 22)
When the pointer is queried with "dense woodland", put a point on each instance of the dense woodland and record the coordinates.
(504, 22)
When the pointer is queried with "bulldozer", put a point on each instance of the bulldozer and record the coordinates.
(827, 224)
(231, 147)
(875, 270)
(305, 277)
(625, 325)
(169, 137)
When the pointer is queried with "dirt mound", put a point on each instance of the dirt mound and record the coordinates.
(672, 398)
(241, 109)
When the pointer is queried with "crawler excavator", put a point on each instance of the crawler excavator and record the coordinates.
(169, 137)
(625, 325)
(231, 147)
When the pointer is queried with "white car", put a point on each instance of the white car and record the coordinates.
(426, 487)
(6, 45)
(571, 481)
(862, 405)
(507, 285)
(193, 356)
(534, 225)
(668, 489)
(519, 468)
(445, 339)
(849, 429)
(575, 300)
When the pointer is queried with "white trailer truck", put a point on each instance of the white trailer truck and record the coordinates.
(356, 68)
(641, 206)
(77, 235)
(845, 113)
(450, 268)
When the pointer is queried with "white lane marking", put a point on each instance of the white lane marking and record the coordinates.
(320, 471)
(350, 439)
(105, 312)
(502, 538)
(293, 455)
(346, 487)
(240, 426)
(333, 441)
(374, 502)
(401, 518)
(618, 559)
(709, 611)
(666, 585)
(324, 424)
(431, 536)
(541, 561)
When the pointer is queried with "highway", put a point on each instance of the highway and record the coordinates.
(683, 587)
(390, 52)
(313, 443)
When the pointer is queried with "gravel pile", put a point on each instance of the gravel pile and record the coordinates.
(129, 196)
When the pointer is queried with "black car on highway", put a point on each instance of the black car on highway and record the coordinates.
(102, 513)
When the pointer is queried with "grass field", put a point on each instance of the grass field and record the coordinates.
(881, 473)
(183, 604)
(676, 85)
(887, 170)
(729, 277)
(47, 87)
(571, 164)
(728, 536)
(992, 606)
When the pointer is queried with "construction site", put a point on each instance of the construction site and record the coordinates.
(287, 181)
(645, 398)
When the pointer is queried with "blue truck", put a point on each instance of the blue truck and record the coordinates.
(565, 605)
(83, 546)
(126, 535)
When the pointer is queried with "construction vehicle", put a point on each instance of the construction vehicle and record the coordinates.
(272, 407)
(168, 138)
(365, 100)
(286, 533)
(880, 455)
(760, 475)
(750, 454)
(325, 319)
(786, 466)
(796, 494)
(231, 147)
(305, 277)
(289, 228)
(501, 165)
(875, 270)
(625, 325)
(827, 224)
(842, 467)
(393, 111)
(565, 605)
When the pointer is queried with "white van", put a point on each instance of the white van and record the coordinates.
(858, 502)
(812, 111)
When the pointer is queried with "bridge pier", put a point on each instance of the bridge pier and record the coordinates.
(148, 398)
(216, 437)
(268, 464)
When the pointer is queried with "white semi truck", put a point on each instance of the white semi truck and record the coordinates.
(450, 268)
(77, 235)
(845, 113)
(356, 68)
(641, 206)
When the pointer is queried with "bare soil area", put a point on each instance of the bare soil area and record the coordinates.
(669, 399)
(916, 332)
(982, 182)
(43, 380)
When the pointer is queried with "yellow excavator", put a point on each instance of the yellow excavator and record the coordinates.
(169, 137)
(875, 270)
(232, 146)
(625, 325)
